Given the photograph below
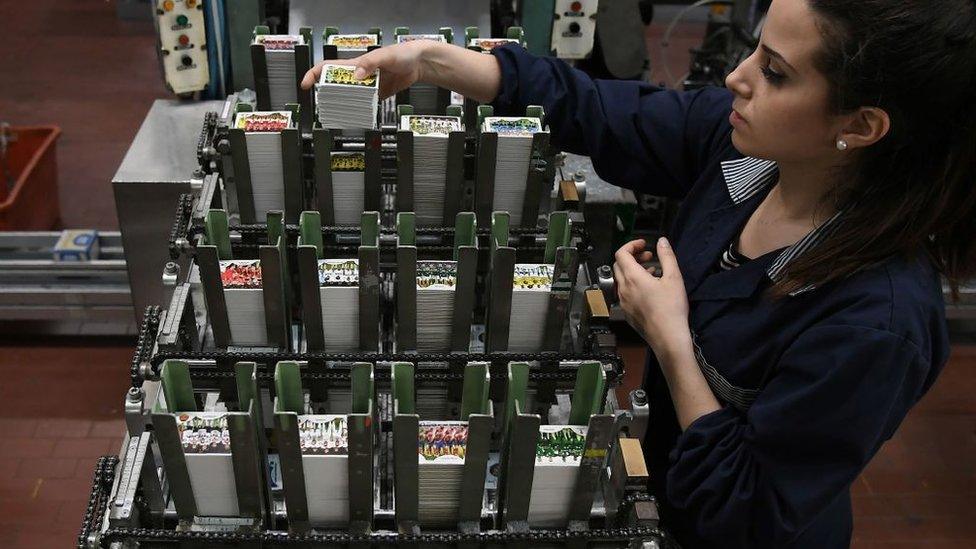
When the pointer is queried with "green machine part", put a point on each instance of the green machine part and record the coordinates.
(241, 20)
(536, 18)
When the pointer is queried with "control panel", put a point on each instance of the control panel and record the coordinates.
(183, 45)
(573, 28)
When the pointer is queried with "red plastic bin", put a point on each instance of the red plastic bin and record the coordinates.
(32, 204)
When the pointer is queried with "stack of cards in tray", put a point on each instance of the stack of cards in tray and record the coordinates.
(262, 133)
(557, 461)
(441, 447)
(351, 45)
(348, 187)
(436, 284)
(206, 444)
(339, 293)
(324, 440)
(241, 279)
(488, 44)
(430, 138)
(345, 103)
(279, 55)
(423, 96)
(512, 160)
(530, 303)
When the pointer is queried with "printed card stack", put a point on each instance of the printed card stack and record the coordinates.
(348, 187)
(488, 44)
(351, 45)
(279, 55)
(512, 161)
(262, 133)
(324, 440)
(345, 103)
(206, 444)
(557, 461)
(241, 279)
(430, 138)
(339, 294)
(422, 96)
(530, 302)
(441, 447)
(436, 285)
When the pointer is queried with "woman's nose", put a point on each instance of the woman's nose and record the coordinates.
(736, 81)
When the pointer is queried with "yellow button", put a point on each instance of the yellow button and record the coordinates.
(168, 5)
(191, 4)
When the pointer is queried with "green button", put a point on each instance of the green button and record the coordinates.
(181, 20)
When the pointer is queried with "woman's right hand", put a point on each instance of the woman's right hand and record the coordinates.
(400, 65)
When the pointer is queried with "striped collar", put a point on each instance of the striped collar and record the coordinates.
(747, 176)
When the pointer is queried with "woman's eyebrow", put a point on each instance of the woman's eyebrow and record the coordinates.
(773, 53)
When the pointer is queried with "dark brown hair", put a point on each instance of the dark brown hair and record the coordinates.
(915, 190)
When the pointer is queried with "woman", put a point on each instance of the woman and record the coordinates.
(800, 311)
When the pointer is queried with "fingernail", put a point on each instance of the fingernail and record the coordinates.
(359, 73)
(664, 242)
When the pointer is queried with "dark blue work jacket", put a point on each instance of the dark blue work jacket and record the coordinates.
(811, 384)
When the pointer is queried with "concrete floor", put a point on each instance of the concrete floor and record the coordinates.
(75, 65)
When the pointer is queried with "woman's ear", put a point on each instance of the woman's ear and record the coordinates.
(865, 127)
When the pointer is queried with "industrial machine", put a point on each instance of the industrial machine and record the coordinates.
(246, 367)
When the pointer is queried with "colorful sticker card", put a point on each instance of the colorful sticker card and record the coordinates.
(263, 121)
(338, 272)
(203, 432)
(323, 435)
(240, 273)
(348, 162)
(343, 75)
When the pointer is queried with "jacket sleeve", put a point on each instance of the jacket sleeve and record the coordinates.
(760, 478)
(638, 136)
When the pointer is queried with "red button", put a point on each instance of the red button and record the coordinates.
(184, 39)
(576, 6)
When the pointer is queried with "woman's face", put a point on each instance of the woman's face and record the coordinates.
(781, 102)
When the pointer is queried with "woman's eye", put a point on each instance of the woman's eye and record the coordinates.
(772, 76)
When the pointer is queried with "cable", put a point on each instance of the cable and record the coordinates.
(667, 33)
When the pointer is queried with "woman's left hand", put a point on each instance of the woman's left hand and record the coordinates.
(657, 307)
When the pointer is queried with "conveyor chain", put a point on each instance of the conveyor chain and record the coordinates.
(146, 342)
(383, 373)
(97, 500)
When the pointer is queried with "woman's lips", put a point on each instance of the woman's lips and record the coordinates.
(736, 119)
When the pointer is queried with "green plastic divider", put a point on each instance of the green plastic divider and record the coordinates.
(403, 110)
(288, 386)
(516, 385)
(362, 387)
(262, 29)
(518, 33)
(587, 393)
(500, 222)
(560, 229)
(307, 33)
(243, 107)
(403, 393)
(465, 231)
(448, 34)
(243, 372)
(484, 111)
(454, 110)
(310, 230)
(536, 111)
(474, 394)
(370, 229)
(177, 387)
(218, 233)
(469, 33)
(327, 32)
(276, 226)
(406, 226)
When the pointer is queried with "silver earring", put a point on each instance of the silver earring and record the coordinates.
(841, 145)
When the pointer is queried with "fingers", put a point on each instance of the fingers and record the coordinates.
(633, 247)
(368, 63)
(644, 257)
(669, 263)
(313, 74)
